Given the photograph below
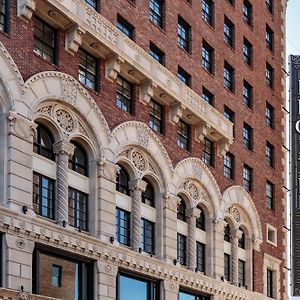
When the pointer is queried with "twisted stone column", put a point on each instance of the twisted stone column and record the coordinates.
(192, 214)
(63, 150)
(237, 234)
(136, 186)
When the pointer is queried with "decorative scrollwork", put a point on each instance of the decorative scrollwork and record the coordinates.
(192, 189)
(65, 120)
(138, 160)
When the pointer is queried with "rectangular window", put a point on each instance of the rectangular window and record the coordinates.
(207, 96)
(247, 12)
(228, 32)
(62, 277)
(200, 253)
(43, 195)
(184, 34)
(147, 239)
(269, 75)
(137, 288)
(247, 52)
(227, 267)
(181, 249)
(92, 3)
(3, 15)
(269, 38)
(228, 77)
(187, 295)
(247, 94)
(247, 178)
(183, 139)
(44, 40)
(269, 5)
(269, 155)
(247, 136)
(208, 11)
(242, 273)
(269, 195)
(125, 27)
(208, 152)
(156, 12)
(270, 292)
(123, 226)
(124, 94)
(184, 76)
(156, 116)
(207, 57)
(229, 165)
(88, 69)
(157, 54)
(78, 209)
(229, 115)
(269, 115)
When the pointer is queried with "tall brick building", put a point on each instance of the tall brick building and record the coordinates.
(142, 149)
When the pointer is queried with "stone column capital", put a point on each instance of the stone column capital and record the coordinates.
(137, 184)
(172, 202)
(236, 234)
(108, 170)
(193, 212)
(63, 147)
(220, 225)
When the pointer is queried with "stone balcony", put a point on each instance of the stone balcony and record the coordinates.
(6, 294)
(87, 28)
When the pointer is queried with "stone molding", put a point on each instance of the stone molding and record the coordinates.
(113, 67)
(26, 8)
(147, 91)
(73, 38)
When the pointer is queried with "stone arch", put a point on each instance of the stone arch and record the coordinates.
(236, 195)
(195, 169)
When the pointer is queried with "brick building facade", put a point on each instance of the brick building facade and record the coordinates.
(142, 149)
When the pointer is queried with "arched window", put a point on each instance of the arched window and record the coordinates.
(78, 162)
(43, 141)
(148, 195)
(242, 240)
(122, 184)
(200, 222)
(181, 211)
(227, 233)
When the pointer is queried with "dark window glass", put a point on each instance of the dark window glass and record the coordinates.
(124, 94)
(92, 3)
(247, 178)
(125, 27)
(228, 32)
(228, 77)
(208, 152)
(44, 40)
(227, 266)
(269, 5)
(247, 136)
(184, 76)
(3, 15)
(183, 295)
(79, 162)
(242, 241)
(43, 196)
(269, 75)
(184, 34)
(247, 94)
(1, 259)
(247, 52)
(200, 222)
(181, 211)
(181, 249)
(78, 209)
(43, 141)
(208, 96)
(200, 254)
(269, 115)
(231, 2)
(269, 38)
(269, 195)
(88, 70)
(122, 184)
(229, 115)
(123, 226)
(269, 154)
(137, 288)
(56, 276)
(247, 12)
(270, 291)
(242, 273)
(183, 135)
(157, 54)
(156, 12)
(148, 195)
(207, 57)
(207, 11)
(227, 233)
(156, 116)
(229, 165)
(147, 239)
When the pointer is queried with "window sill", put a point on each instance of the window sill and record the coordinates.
(229, 46)
(250, 109)
(208, 72)
(161, 29)
(209, 25)
(185, 51)
(250, 26)
(247, 65)
(229, 91)
(5, 34)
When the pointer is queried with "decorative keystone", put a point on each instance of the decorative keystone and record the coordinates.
(26, 8)
(113, 67)
(147, 91)
(176, 112)
(73, 39)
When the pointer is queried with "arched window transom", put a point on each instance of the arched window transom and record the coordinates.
(148, 195)
(43, 141)
(181, 211)
(122, 184)
(78, 162)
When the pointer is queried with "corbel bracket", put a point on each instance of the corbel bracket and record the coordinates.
(176, 112)
(73, 39)
(147, 91)
(26, 8)
(113, 67)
